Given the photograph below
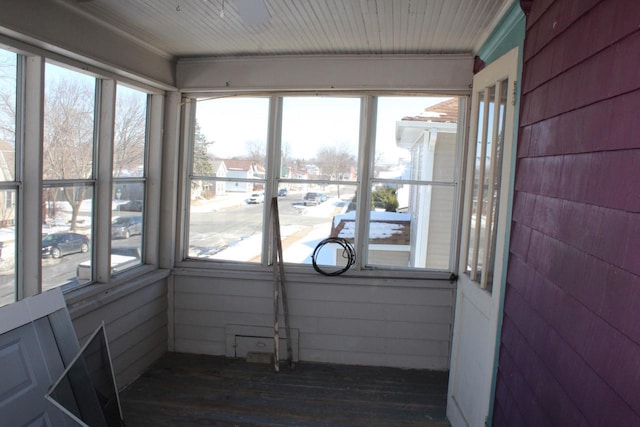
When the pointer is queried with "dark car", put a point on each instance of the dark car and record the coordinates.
(59, 244)
(126, 226)
(131, 205)
(283, 192)
(312, 198)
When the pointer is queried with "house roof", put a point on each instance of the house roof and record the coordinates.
(243, 165)
(443, 112)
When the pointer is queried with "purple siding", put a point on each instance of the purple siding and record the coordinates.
(570, 344)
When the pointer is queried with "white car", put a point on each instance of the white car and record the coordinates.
(256, 198)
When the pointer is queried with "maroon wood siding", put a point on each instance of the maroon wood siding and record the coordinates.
(570, 345)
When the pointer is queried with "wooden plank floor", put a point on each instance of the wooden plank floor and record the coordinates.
(195, 390)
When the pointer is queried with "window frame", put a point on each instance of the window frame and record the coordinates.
(366, 151)
(29, 182)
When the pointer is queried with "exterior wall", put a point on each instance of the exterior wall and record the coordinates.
(380, 322)
(570, 345)
(135, 317)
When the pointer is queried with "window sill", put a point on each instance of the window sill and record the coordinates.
(306, 273)
(94, 295)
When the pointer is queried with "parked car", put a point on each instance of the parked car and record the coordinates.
(283, 192)
(122, 258)
(131, 205)
(56, 245)
(312, 198)
(256, 198)
(126, 226)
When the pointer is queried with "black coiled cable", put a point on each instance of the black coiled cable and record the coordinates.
(348, 253)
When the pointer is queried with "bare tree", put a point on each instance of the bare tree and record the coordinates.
(129, 135)
(256, 151)
(335, 162)
(7, 96)
(68, 138)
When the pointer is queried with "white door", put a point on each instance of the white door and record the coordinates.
(483, 247)
(32, 358)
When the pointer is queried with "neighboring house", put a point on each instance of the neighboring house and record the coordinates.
(431, 138)
(389, 236)
(244, 169)
(7, 198)
(209, 189)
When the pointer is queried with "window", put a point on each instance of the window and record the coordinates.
(8, 179)
(319, 155)
(68, 176)
(227, 179)
(322, 162)
(414, 183)
(129, 182)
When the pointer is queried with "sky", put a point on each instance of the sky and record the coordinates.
(309, 123)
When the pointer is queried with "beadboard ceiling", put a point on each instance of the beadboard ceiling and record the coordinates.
(195, 28)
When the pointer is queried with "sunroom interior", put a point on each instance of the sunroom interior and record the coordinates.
(144, 142)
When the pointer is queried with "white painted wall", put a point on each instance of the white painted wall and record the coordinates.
(383, 322)
(135, 316)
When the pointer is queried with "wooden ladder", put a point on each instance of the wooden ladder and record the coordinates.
(279, 291)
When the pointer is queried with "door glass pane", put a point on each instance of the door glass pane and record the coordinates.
(496, 181)
(66, 234)
(476, 164)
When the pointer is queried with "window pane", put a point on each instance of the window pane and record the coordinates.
(127, 227)
(66, 234)
(410, 226)
(412, 135)
(228, 225)
(8, 82)
(129, 132)
(231, 138)
(7, 247)
(68, 124)
(320, 138)
(8, 62)
(308, 216)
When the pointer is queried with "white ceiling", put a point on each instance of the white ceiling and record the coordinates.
(189, 28)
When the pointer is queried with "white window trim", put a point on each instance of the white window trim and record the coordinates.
(367, 133)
